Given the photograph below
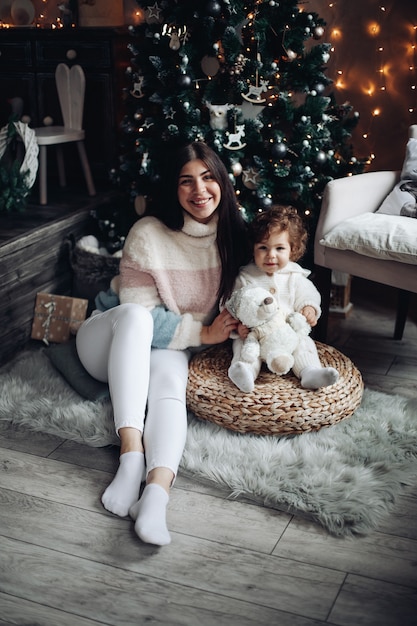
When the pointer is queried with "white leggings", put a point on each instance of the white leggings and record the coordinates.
(115, 347)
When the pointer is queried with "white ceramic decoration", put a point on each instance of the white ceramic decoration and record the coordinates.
(22, 12)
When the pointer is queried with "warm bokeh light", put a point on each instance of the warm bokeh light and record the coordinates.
(369, 90)
(373, 29)
(336, 33)
(380, 75)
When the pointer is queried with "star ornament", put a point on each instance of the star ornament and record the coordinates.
(153, 14)
(250, 111)
(250, 178)
(169, 114)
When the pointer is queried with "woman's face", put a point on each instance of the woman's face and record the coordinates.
(198, 193)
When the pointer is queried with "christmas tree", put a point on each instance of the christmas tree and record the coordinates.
(246, 77)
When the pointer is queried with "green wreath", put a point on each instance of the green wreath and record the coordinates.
(16, 175)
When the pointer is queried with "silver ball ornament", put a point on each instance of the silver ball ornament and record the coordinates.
(318, 32)
(266, 202)
(184, 81)
(279, 150)
(319, 87)
(236, 168)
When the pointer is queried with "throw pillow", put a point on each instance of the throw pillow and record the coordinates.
(409, 171)
(402, 200)
(65, 359)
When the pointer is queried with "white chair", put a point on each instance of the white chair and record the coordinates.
(353, 198)
(70, 85)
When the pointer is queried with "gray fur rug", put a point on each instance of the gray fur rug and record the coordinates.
(346, 477)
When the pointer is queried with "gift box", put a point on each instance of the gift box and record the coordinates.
(56, 318)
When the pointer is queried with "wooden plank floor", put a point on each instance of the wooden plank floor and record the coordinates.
(65, 561)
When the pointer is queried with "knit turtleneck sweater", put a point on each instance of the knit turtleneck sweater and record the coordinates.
(289, 285)
(175, 274)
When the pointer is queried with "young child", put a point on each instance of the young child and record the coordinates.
(279, 240)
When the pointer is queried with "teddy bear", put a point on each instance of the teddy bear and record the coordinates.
(272, 336)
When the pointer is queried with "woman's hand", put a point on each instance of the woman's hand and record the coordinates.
(220, 328)
(310, 314)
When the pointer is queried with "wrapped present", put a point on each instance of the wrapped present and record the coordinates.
(56, 318)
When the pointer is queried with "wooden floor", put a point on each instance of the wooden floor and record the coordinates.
(65, 561)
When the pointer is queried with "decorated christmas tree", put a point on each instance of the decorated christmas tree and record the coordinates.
(249, 79)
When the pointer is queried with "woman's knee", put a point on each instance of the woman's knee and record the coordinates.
(133, 315)
(133, 323)
(169, 373)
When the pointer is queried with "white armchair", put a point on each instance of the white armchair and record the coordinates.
(353, 198)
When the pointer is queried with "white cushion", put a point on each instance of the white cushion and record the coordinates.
(376, 235)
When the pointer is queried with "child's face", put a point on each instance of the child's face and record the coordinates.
(273, 253)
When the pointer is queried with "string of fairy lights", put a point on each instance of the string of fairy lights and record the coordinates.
(389, 73)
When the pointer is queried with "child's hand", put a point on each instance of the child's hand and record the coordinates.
(309, 313)
(242, 330)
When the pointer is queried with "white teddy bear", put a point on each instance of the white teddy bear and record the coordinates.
(272, 337)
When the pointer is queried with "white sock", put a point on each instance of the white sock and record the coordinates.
(150, 515)
(316, 377)
(241, 375)
(123, 491)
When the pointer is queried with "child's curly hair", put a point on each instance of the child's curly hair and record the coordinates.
(283, 218)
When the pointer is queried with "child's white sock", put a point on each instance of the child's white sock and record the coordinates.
(316, 377)
(241, 375)
(150, 515)
(123, 491)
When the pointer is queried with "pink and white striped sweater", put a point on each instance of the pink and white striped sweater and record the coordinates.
(175, 274)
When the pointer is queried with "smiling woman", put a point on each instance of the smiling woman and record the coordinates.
(177, 264)
(198, 192)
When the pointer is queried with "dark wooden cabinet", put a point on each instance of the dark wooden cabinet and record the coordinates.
(28, 58)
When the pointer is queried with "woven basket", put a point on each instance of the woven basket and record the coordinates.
(92, 272)
(277, 405)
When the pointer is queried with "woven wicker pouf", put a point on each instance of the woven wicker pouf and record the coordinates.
(278, 405)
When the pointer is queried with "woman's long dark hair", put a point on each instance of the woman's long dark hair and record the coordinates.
(232, 237)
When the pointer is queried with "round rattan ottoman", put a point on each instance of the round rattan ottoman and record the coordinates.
(278, 405)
